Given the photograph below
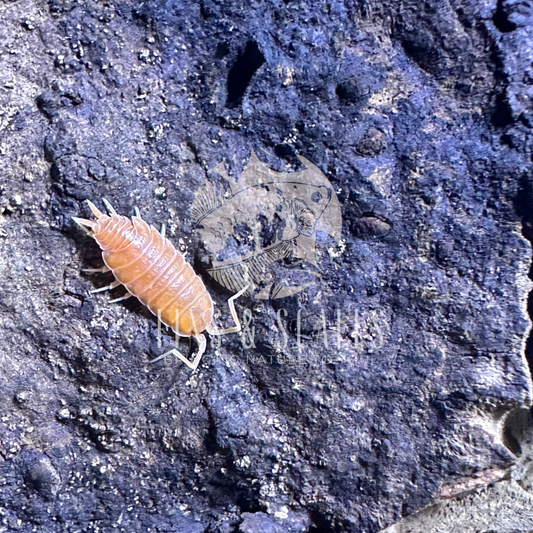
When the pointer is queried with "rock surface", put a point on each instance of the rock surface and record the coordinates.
(419, 115)
(505, 506)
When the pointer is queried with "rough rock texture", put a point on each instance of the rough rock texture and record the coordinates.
(420, 116)
(502, 507)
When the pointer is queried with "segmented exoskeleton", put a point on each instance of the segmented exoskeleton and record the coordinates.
(151, 269)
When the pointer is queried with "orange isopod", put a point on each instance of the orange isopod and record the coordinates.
(151, 269)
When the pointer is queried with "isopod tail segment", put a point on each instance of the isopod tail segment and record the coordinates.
(93, 229)
(88, 225)
(200, 339)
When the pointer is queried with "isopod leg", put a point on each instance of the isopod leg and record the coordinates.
(163, 230)
(213, 330)
(122, 298)
(198, 357)
(106, 288)
(102, 270)
(200, 339)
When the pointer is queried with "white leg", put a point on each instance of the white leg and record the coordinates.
(96, 270)
(163, 230)
(213, 330)
(202, 343)
(201, 349)
(106, 288)
(122, 298)
(137, 212)
(109, 207)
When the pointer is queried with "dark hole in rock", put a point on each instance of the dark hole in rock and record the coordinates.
(517, 430)
(501, 115)
(501, 18)
(242, 72)
(222, 50)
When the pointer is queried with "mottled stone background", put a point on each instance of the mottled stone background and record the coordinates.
(420, 116)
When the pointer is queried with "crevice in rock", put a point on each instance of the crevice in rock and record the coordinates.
(422, 49)
(515, 428)
(499, 113)
(211, 442)
(524, 209)
(324, 524)
(242, 72)
(502, 114)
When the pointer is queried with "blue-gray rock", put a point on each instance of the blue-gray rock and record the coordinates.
(419, 115)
